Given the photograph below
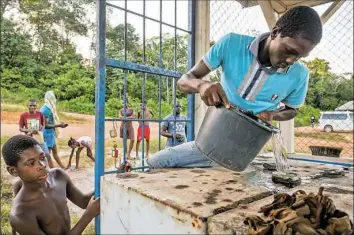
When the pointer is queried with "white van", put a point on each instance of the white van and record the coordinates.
(336, 121)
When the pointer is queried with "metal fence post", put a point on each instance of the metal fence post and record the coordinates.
(191, 62)
(100, 100)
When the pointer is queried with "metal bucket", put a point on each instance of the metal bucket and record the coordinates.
(232, 138)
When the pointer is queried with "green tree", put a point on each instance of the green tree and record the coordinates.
(326, 89)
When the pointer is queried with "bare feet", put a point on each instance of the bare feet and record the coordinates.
(125, 166)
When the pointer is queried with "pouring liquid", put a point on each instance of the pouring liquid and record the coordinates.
(280, 154)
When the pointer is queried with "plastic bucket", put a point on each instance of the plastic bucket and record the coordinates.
(232, 138)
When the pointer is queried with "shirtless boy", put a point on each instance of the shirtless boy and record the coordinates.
(40, 205)
(80, 144)
(128, 127)
(147, 113)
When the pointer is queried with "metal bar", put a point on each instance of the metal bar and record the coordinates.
(191, 61)
(139, 119)
(149, 18)
(143, 90)
(175, 41)
(159, 113)
(160, 65)
(142, 68)
(125, 145)
(120, 171)
(174, 80)
(100, 100)
(321, 161)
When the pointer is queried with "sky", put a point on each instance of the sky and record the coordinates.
(229, 16)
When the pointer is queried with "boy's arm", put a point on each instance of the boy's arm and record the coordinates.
(164, 130)
(70, 157)
(52, 126)
(186, 130)
(93, 209)
(78, 151)
(25, 223)
(21, 125)
(74, 194)
(42, 122)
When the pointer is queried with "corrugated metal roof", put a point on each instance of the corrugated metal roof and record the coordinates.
(281, 6)
(349, 106)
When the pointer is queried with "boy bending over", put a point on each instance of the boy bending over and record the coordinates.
(80, 143)
(40, 206)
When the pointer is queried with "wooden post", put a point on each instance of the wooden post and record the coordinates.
(268, 12)
(202, 45)
(333, 8)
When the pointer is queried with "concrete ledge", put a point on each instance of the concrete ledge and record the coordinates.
(174, 201)
(205, 201)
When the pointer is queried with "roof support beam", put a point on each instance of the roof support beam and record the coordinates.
(268, 12)
(333, 8)
(202, 45)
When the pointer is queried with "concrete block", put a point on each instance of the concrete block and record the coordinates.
(171, 201)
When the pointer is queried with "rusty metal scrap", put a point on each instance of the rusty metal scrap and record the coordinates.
(301, 214)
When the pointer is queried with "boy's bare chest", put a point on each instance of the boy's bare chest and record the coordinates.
(53, 213)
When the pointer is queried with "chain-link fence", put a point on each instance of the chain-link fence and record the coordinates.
(325, 123)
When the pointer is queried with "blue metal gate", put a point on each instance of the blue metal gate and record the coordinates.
(102, 62)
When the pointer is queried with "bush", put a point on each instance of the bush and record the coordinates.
(304, 115)
(77, 105)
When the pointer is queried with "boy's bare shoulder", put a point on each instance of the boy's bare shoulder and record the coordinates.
(58, 174)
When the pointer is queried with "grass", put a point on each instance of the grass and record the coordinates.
(154, 144)
(6, 201)
(68, 118)
(6, 198)
(23, 108)
(89, 230)
(13, 108)
(340, 137)
(4, 139)
(86, 162)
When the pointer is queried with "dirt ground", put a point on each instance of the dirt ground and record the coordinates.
(82, 125)
(79, 125)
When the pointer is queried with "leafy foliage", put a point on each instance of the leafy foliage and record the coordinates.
(38, 55)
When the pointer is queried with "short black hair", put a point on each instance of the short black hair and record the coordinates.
(32, 101)
(301, 22)
(15, 146)
(71, 141)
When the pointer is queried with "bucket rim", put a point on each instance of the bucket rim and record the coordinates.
(253, 118)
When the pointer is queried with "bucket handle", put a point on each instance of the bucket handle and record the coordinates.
(251, 115)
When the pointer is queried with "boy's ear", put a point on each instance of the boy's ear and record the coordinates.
(12, 170)
(275, 32)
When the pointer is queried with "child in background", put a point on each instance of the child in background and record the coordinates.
(80, 143)
(40, 205)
